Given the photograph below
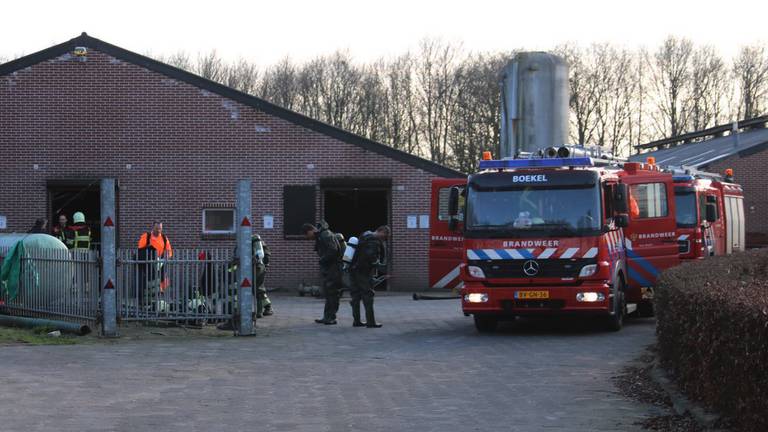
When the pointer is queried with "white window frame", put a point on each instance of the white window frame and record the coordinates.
(232, 231)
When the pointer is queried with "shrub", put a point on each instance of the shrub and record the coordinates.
(713, 334)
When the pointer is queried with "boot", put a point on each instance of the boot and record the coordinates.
(370, 319)
(356, 314)
(268, 310)
(326, 316)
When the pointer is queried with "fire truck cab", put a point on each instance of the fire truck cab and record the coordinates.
(710, 214)
(571, 235)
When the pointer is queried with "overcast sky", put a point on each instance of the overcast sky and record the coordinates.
(265, 31)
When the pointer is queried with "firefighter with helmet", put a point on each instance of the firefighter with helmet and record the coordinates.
(79, 233)
(261, 256)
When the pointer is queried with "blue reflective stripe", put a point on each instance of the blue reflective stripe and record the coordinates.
(525, 253)
(642, 262)
(480, 253)
(634, 275)
(504, 254)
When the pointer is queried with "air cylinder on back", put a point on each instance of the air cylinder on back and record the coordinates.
(349, 252)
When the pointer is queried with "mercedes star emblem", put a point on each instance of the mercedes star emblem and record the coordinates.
(531, 268)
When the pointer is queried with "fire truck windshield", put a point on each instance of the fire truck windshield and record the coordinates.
(685, 208)
(560, 211)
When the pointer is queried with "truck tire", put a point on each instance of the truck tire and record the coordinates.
(645, 309)
(616, 321)
(486, 324)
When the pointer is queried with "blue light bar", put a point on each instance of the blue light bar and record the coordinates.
(536, 163)
(682, 177)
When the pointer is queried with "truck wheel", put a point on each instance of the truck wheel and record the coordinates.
(616, 321)
(486, 324)
(645, 309)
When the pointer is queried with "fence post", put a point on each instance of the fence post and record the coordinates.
(108, 301)
(245, 267)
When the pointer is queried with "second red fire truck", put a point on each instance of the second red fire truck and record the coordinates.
(573, 235)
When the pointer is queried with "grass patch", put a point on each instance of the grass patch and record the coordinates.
(36, 336)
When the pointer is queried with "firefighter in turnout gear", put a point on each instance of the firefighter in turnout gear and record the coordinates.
(369, 258)
(79, 233)
(328, 249)
(62, 232)
(261, 256)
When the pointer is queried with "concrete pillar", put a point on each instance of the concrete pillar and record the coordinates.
(108, 298)
(244, 255)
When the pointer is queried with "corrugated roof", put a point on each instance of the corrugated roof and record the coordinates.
(701, 154)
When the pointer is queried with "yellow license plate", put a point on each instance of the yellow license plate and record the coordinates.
(531, 294)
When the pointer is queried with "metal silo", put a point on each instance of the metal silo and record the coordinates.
(534, 103)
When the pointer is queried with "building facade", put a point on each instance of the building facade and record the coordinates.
(177, 144)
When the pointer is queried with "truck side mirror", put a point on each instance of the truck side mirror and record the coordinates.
(621, 198)
(711, 213)
(621, 220)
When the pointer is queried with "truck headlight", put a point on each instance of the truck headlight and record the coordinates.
(476, 298)
(590, 297)
(476, 272)
(588, 270)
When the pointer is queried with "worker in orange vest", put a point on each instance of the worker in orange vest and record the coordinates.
(152, 245)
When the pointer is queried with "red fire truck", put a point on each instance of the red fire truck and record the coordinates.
(710, 213)
(578, 235)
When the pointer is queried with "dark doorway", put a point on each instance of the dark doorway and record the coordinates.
(70, 196)
(354, 210)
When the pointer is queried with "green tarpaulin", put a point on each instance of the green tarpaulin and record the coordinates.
(11, 271)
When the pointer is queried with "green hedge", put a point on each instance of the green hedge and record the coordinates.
(713, 334)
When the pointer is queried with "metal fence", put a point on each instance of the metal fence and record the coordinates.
(56, 284)
(194, 286)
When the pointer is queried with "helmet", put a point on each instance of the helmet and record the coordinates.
(78, 217)
(255, 237)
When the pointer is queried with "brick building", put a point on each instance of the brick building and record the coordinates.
(742, 147)
(177, 143)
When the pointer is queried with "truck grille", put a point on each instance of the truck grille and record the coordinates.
(548, 268)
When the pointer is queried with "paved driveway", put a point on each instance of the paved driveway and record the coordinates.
(425, 370)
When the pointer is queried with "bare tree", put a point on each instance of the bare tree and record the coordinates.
(210, 66)
(437, 90)
(709, 89)
(751, 74)
(242, 76)
(670, 69)
(279, 84)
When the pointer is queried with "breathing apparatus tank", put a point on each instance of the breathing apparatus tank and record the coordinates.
(258, 248)
(350, 250)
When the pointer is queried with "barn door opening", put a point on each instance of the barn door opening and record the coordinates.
(70, 196)
(352, 206)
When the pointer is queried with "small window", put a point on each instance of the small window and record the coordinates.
(648, 200)
(218, 221)
(298, 209)
(442, 205)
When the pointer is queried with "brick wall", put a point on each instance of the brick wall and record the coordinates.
(186, 147)
(750, 172)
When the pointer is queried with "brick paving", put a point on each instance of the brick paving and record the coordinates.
(426, 369)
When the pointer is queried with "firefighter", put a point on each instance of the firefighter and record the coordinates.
(261, 256)
(329, 251)
(369, 258)
(152, 245)
(80, 233)
(61, 231)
